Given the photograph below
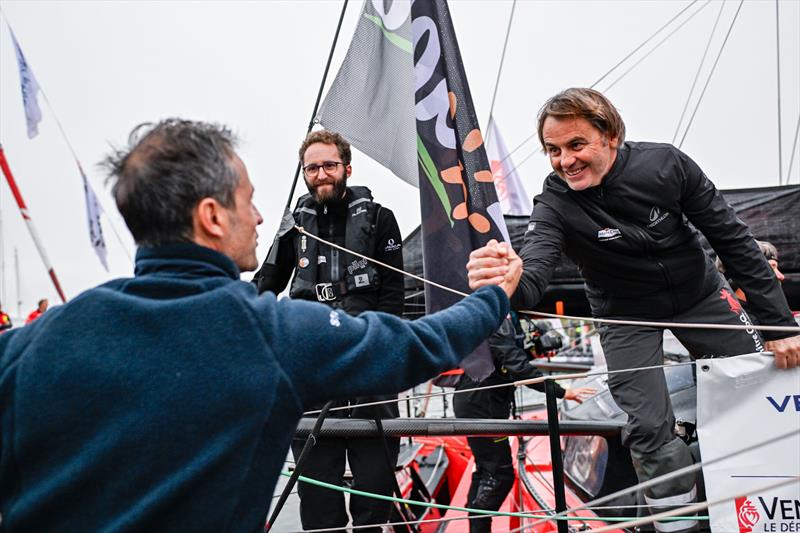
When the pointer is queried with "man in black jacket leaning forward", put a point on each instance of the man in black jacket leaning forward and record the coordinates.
(346, 216)
(618, 209)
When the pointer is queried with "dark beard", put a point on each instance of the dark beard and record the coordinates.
(335, 195)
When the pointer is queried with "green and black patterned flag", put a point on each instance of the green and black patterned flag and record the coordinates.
(402, 97)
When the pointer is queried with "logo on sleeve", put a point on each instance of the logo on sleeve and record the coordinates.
(391, 246)
(334, 318)
(608, 234)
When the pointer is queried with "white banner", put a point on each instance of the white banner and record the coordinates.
(742, 401)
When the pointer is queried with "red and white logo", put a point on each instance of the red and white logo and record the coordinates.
(747, 514)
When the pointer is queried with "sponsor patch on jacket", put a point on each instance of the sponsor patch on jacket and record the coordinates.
(359, 210)
(303, 262)
(362, 280)
(656, 217)
(608, 234)
(392, 246)
(321, 259)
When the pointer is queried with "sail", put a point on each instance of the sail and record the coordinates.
(510, 190)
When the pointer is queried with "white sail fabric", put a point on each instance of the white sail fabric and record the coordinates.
(510, 190)
(30, 91)
(742, 401)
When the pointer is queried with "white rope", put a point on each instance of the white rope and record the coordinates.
(689, 509)
(666, 477)
(668, 325)
(520, 383)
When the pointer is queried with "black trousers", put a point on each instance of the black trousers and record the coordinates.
(643, 395)
(494, 471)
(325, 508)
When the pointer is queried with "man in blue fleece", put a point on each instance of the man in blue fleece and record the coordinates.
(168, 401)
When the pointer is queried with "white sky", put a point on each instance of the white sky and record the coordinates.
(255, 66)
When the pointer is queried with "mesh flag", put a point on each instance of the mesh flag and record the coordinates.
(30, 91)
(402, 97)
(510, 190)
(93, 211)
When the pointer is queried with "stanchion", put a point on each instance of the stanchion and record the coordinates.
(555, 453)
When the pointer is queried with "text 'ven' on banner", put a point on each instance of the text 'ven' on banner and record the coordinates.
(743, 401)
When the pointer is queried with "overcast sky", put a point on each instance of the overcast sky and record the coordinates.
(256, 66)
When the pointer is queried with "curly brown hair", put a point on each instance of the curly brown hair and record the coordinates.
(327, 137)
(578, 102)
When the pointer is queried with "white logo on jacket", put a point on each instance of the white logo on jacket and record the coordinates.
(391, 246)
(656, 217)
(608, 234)
(334, 317)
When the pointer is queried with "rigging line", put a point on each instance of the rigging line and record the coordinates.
(483, 512)
(666, 325)
(501, 385)
(415, 523)
(522, 162)
(711, 73)
(319, 97)
(662, 41)
(694, 508)
(499, 71)
(671, 475)
(778, 72)
(74, 154)
(659, 30)
(699, 69)
(794, 148)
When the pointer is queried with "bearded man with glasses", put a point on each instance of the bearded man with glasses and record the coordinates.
(346, 216)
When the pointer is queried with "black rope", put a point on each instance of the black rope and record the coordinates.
(319, 97)
(300, 461)
(697, 74)
(403, 509)
(711, 74)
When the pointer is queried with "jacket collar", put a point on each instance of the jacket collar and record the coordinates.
(184, 258)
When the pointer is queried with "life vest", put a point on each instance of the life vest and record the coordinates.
(349, 274)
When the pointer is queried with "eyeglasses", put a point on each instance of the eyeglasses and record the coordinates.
(328, 166)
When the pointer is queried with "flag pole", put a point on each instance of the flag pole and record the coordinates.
(29, 222)
(319, 97)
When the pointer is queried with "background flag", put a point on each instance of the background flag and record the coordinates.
(401, 97)
(93, 211)
(510, 190)
(30, 91)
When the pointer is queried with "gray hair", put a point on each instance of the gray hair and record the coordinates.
(165, 171)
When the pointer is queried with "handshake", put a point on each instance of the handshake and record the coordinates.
(494, 264)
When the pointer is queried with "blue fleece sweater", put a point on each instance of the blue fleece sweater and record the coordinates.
(168, 401)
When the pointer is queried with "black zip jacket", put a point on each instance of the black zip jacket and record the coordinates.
(631, 239)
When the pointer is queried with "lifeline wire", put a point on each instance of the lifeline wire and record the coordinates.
(666, 325)
(511, 384)
(484, 512)
(671, 475)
